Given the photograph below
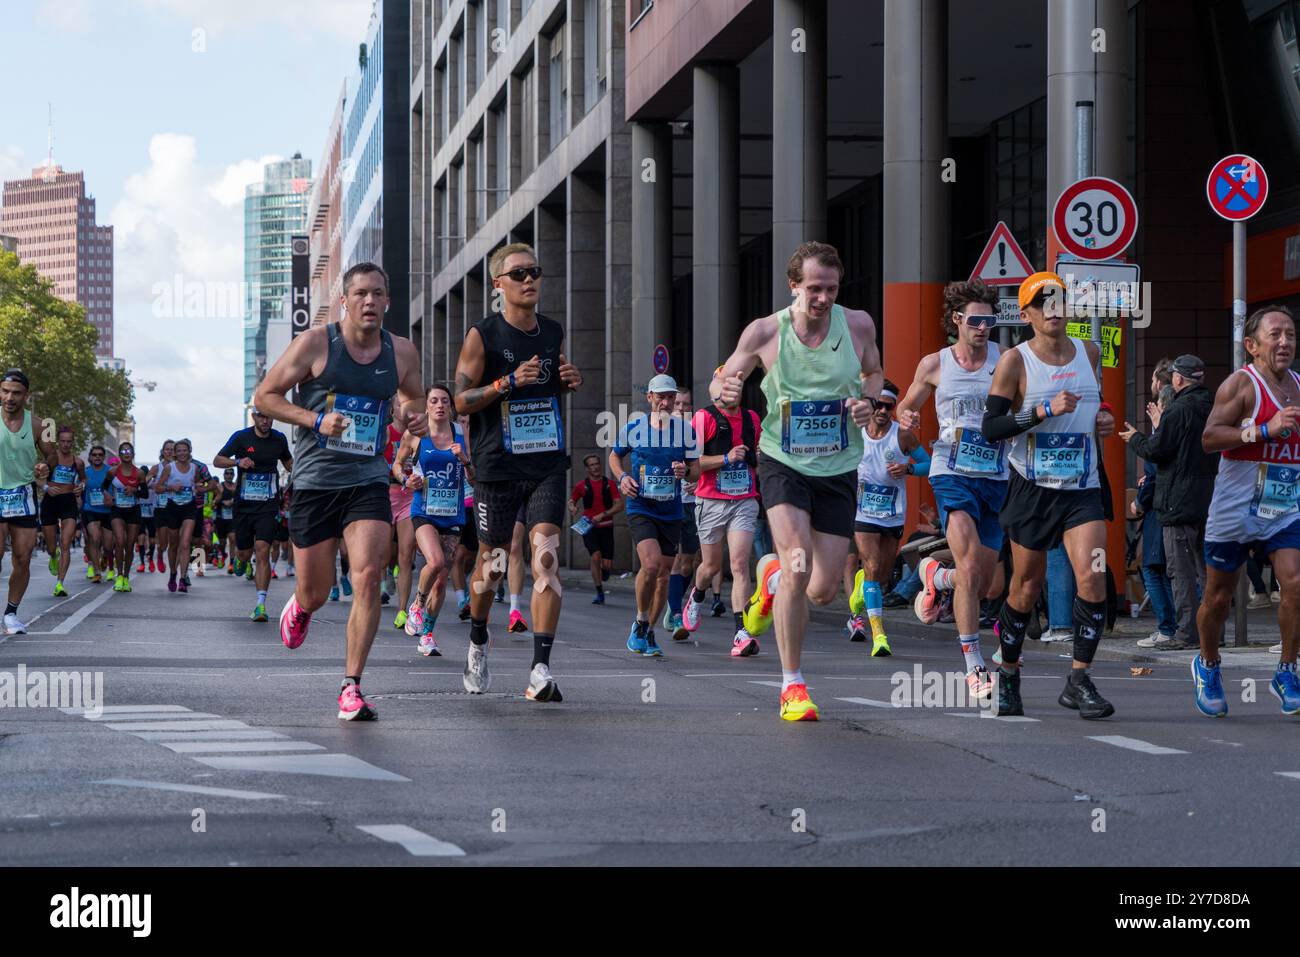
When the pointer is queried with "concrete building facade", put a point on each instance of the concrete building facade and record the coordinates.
(325, 222)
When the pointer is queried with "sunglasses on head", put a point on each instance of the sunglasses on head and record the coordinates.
(530, 272)
(979, 321)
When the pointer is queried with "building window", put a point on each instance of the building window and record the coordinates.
(501, 143)
(527, 123)
(483, 42)
(593, 52)
(559, 89)
(480, 182)
(1020, 176)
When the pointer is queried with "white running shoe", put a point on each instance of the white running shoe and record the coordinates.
(1064, 634)
(1274, 650)
(542, 687)
(477, 678)
(13, 626)
(291, 570)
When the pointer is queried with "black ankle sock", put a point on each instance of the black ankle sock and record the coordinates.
(699, 594)
(344, 565)
(600, 589)
(1011, 632)
(740, 620)
(11, 609)
(478, 633)
(542, 648)
(642, 628)
(1089, 621)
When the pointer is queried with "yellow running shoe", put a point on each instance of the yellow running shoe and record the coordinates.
(856, 601)
(90, 572)
(59, 590)
(880, 646)
(758, 610)
(796, 705)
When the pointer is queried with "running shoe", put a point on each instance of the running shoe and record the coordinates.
(743, 645)
(248, 571)
(1081, 695)
(880, 646)
(346, 582)
(412, 619)
(399, 622)
(599, 599)
(97, 580)
(718, 609)
(59, 590)
(1275, 649)
(183, 586)
(259, 613)
(334, 593)
(152, 566)
(162, 564)
(13, 626)
(463, 613)
(758, 610)
(126, 583)
(428, 647)
(926, 604)
(1207, 686)
(90, 572)
(1009, 701)
(690, 616)
(291, 571)
(1285, 687)
(230, 567)
(679, 630)
(652, 649)
(668, 617)
(353, 707)
(501, 595)
(477, 679)
(171, 582)
(293, 623)
(541, 686)
(517, 623)
(796, 705)
(54, 562)
(274, 576)
(979, 683)
(117, 583)
(635, 643)
(857, 600)
(857, 628)
(383, 596)
(140, 567)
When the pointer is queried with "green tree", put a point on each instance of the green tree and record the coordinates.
(51, 341)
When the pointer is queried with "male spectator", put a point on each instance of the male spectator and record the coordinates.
(600, 503)
(1153, 546)
(1184, 483)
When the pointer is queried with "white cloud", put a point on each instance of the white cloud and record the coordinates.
(12, 163)
(69, 16)
(343, 18)
(229, 190)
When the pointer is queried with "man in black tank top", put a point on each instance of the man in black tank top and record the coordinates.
(510, 379)
(349, 373)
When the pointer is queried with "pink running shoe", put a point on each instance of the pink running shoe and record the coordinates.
(293, 625)
(517, 623)
(926, 605)
(414, 619)
(690, 611)
(353, 707)
(743, 645)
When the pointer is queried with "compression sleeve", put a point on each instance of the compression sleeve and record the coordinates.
(920, 461)
(1000, 423)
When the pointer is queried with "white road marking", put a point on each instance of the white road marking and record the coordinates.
(720, 674)
(221, 725)
(173, 674)
(770, 684)
(1011, 718)
(1133, 744)
(212, 747)
(328, 765)
(416, 842)
(869, 702)
(190, 789)
(72, 621)
(130, 708)
(1288, 774)
(252, 734)
(39, 615)
(148, 716)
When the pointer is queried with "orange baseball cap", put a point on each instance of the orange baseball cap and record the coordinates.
(1031, 286)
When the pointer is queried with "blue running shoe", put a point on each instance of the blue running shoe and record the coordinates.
(1286, 689)
(652, 649)
(1208, 685)
(334, 593)
(347, 585)
(599, 599)
(635, 643)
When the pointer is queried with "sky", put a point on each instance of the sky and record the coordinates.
(171, 107)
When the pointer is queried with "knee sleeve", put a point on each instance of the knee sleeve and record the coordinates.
(1089, 621)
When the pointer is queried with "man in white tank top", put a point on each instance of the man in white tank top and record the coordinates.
(1255, 423)
(967, 473)
(1054, 494)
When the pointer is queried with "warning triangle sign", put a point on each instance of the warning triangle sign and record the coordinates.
(1003, 262)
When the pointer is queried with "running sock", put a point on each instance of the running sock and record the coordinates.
(642, 627)
(261, 598)
(1283, 665)
(945, 579)
(600, 589)
(420, 597)
(875, 608)
(1011, 632)
(350, 680)
(740, 620)
(514, 604)
(773, 581)
(478, 633)
(542, 648)
(676, 592)
(970, 649)
(460, 597)
(698, 595)
(1089, 621)
(789, 678)
(344, 565)
(11, 609)
(717, 597)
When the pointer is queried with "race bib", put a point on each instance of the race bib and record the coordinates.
(582, 526)
(658, 485)
(443, 494)
(532, 425)
(64, 475)
(227, 514)
(878, 501)
(972, 454)
(124, 499)
(259, 486)
(1277, 491)
(184, 497)
(365, 424)
(1058, 459)
(146, 510)
(17, 502)
(814, 428)
(95, 497)
(735, 479)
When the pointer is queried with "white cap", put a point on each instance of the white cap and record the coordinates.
(662, 383)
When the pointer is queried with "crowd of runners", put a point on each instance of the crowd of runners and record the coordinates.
(394, 489)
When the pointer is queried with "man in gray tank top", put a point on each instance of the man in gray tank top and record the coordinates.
(352, 378)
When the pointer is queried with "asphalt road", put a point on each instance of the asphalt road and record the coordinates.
(221, 747)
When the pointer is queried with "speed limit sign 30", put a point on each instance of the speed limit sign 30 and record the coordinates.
(1095, 218)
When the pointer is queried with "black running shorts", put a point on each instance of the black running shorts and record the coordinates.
(56, 508)
(1037, 518)
(829, 501)
(645, 528)
(255, 523)
(322, 514)
(496, 505)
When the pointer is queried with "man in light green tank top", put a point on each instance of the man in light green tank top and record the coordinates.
(821, 376)
(23, 448)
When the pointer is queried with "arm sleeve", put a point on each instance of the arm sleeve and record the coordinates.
(920, 461)
(1000, 423)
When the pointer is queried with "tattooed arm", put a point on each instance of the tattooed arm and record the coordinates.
(472, 397)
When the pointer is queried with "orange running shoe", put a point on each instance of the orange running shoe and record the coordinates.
(796, 705)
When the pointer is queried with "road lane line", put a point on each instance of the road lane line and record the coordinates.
(327, 765)
(251, 734)
(72, 621)
(213, 747)
(416, 842)
(149, 716)
(131, 709)
(870, 702)
(1009, 718)
(770, 684)
(221, 725)
(1133, 744)
(191, 789)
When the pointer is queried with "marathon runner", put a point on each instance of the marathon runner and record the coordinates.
(1054, 494)
(652, 455)
(96, 516)
(684, 566)
(600, 503)
(185, 481)
(347, 374)
(225, 517)
(509, 379)
(24, 454)
(467, 551)
(148, 527)
(401, 498)
(515, 573)
(890, 454)
(1255, 423)
(59, 507)
(256, 451)
(437, 479)
(726, 512)
(124, 490)
(162, 500)
(968, 472)
(822, 376)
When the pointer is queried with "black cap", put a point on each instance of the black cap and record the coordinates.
(1189, 367)
(16, 375)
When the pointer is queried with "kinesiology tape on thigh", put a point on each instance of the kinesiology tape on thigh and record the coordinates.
(546, 562)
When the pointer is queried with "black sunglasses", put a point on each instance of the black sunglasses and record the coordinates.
(885, 405)
(978, 321)
(531, 272)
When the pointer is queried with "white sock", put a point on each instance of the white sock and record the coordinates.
(970, 649)
(514, 604)
(789, 678)
(774, 581)
(945, 579)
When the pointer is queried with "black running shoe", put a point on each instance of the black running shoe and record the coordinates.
(1009, 702)
(1081, 695)
(718, 609)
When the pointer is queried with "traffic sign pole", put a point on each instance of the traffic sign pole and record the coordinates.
(1239, 619)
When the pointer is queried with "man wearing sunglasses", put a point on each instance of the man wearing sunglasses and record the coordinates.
(510, 378)
(968, 473)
